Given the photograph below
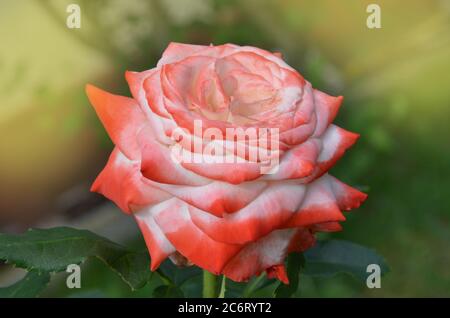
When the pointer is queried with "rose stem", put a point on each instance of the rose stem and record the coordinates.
(209, 284)
(222, 287)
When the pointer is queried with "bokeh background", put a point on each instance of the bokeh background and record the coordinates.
(396, 86)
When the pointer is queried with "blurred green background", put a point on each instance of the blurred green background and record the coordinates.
(396, 86)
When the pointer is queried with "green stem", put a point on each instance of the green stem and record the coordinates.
(209, 284)
(252, 285)
(223, 287)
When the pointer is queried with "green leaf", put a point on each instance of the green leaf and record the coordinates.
(52, 250)
(257, 287)
(176, 275)
(255, 284)
(29, 286)
(327, 258)
(167, 291)
(295, 262)
(193, 287)
(132, 267)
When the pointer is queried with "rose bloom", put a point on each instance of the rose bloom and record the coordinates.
(229, 218)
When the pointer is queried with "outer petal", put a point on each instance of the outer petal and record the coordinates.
(347, 197)
(266, 213)
(326, 107)
(122, 118)
(335, 142)
(122, 182)
(324, 200)
(302, 240)
(278, 272)
(260, 255)
(158, 245)
(190, 241)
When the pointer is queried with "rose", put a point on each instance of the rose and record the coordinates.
(229, 218)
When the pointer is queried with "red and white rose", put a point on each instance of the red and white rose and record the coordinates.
(232, 216)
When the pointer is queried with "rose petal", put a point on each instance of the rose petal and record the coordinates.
(122, 119)
(159, 165)
(190, 241)
(347, 197)
(122, 182)
(324, 200)
(298, 162)
(327, 227)
(176, 52)
(267, 212)
(234, 173)
(157, 243)
(335, 142)
(278, 272)
(258, 256)
(326, 108)
(217, 197)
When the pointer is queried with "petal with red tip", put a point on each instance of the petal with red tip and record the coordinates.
(347, 197)
(326, 107)
(302, 240)
(267, 212)
(318, 206)
(260, 255)
(158, 245)
(122, 119)
(190, 241)
(335, 142)
(122, 182)
(326, 197)
(278, 272)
